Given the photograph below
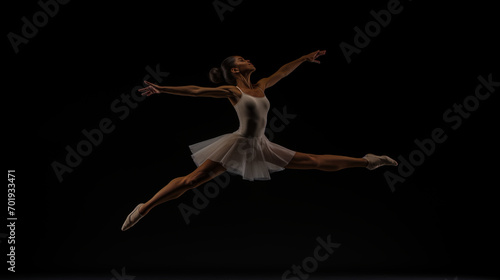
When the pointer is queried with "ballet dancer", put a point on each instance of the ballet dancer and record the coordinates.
(247, 151)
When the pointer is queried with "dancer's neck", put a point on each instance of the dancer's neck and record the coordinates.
(243, 81)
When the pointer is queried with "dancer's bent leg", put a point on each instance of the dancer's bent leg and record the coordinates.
(204, 173)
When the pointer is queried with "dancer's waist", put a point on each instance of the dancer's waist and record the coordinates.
(248, 134)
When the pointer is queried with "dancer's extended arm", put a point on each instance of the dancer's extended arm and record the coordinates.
(194, 91)
(288, 68)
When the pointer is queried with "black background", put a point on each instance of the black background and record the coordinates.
(440, 221)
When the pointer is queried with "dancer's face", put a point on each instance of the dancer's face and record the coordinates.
(244, 65)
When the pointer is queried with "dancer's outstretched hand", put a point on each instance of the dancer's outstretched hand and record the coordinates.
(150, 89)
(312, 56)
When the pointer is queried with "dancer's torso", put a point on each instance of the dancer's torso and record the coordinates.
(252, 114)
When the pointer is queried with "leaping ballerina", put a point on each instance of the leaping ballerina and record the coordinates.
(247, 151)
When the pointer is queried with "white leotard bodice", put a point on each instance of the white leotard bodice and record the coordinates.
(252, 114)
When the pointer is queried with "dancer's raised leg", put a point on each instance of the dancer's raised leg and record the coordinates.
(334, 162)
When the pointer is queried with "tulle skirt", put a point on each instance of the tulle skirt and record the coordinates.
(254, 158)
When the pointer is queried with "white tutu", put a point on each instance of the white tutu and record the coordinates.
(247, 151)
(254, 158)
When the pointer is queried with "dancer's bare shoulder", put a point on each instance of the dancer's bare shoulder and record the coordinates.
(236, 94)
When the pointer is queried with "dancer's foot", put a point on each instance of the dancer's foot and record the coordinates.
(141, 210)
(375, 161)
(132, 218)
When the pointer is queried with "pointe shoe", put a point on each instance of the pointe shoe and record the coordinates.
(132, 218)
(375, 161)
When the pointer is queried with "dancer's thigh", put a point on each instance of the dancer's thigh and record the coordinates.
(204, 173)
(303, 161)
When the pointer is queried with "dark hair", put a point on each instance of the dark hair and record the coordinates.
(223, 73)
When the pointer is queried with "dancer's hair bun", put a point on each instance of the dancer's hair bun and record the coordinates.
(215, 75)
